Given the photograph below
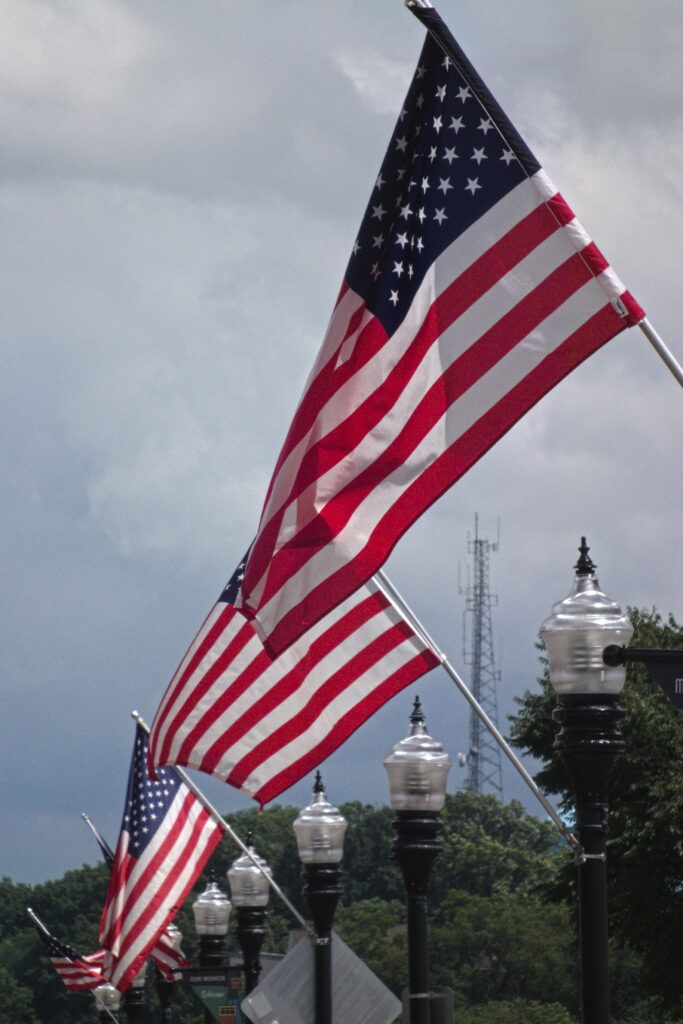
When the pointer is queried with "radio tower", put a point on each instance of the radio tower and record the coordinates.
(483, 757)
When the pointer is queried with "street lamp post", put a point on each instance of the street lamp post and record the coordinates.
(417, 768)
(211, 917)
(589, 740)
(319, 831)
(165, 986)
(250, 890)
(134, 998)
(107, 1001)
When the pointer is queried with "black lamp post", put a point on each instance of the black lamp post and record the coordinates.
(166, 985)
(134, 998)
(250, 890)
(319, 831)
(418, 769)
(588, 713)
(211, 917)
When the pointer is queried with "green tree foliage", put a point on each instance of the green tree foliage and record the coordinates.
(503, 948)
(645, 846)
(491, 848)
(16, 1001)
(517, 1011)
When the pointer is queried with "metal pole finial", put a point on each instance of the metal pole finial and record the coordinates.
(417, 715)
(318, 784)
(585, 565)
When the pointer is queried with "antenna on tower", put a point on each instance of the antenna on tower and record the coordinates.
(483, 756)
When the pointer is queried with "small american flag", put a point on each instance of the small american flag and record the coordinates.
(261, 723)
(470, 292)
(166, 838)
(163, 954)
(77, 971)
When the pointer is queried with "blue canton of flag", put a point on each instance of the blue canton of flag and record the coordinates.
(445, 166)
(148, 800)
(77, 971)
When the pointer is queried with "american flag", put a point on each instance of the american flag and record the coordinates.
(261, 723)
(470, 292)
(78, 972)
(166, 838)
(163, 954)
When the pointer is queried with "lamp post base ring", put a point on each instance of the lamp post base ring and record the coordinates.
(581, 857)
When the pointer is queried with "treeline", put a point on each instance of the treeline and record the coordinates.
(503, 928)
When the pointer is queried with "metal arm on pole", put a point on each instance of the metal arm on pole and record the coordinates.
(661, 350)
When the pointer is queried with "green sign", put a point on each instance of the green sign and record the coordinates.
(219, 994)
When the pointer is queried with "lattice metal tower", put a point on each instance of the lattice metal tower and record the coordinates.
(483, 757)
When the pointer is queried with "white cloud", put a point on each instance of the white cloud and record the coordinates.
(377, 79)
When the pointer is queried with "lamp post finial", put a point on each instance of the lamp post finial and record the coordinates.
(585, 565)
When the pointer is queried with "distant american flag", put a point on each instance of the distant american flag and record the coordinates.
(163, 954)
(470, 292)
(77, 971)
(166, 838)
(261, 724)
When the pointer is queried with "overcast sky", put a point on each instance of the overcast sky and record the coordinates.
(181, 186)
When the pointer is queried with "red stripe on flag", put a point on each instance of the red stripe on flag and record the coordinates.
(459, 296)
(346, 725)
(475, 362)
(339, 681)
(337, 634)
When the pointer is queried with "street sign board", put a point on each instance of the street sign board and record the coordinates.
(219, 991)
(286, 995)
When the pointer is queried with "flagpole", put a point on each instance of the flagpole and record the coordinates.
(406, 613)
(37, 922)
(662, 351)
(220, 820)
(104, 846)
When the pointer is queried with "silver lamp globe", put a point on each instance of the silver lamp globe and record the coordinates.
(319, 829)
(249, 886)
(211, 911)
(107, 997)
(417, 768)
(578, 631)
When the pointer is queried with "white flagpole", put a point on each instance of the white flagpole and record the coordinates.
(37, 922)
(661, 349)
(220, 820)
(406, 613)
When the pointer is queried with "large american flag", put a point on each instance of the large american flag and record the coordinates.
(261, 723)
(166, 838)
(78, 971)
(470, 292)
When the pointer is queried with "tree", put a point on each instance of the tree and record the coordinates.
(518, 1011)
(491, 848)
(645, 845)
(16, 1002)
(503, 948)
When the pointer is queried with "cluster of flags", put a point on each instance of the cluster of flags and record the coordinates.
(472, 289)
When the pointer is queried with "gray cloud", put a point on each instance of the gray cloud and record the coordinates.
(180, 189)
